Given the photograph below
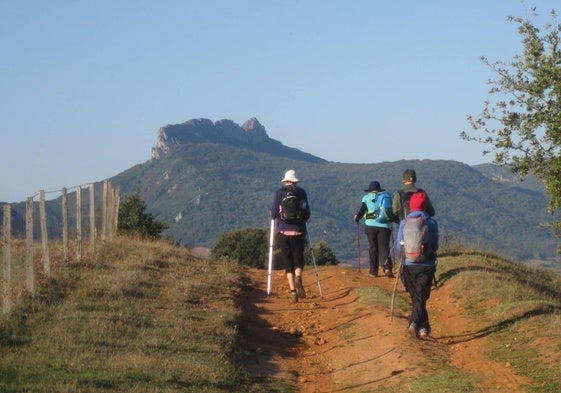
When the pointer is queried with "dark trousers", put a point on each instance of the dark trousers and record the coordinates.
(418, 283)
(292, 251)
(378, 248)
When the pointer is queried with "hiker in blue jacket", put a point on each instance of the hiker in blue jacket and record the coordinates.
(418, 237)
(378, 229)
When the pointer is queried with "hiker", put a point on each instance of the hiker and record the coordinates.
(400, 204)
(418, 237)
(375, 208)
(292, 210)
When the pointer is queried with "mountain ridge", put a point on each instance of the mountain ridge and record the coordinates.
(251, 135)
(208, 180)
(190, 183)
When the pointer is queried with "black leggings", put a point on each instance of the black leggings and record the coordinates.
(378, 248)
(418, 282)
(292, 251)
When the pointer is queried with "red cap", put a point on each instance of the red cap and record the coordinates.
(418, 201)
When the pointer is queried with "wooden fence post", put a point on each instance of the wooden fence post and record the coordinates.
(104, 212)
(92, 218)
(65, 225)
(117, 201)
(44, 237)
(7, 277)
(29, 269)
(110, 197)
(79, 223)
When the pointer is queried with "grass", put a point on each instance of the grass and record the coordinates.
(149, 317)
(446, 380)
(518, 309)
(140, 317)
(381, 297)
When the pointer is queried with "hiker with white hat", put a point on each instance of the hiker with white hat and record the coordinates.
(292, 210)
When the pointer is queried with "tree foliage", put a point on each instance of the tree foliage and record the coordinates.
(322, 253)
(522, 121)
(248, 246)
(134, 221)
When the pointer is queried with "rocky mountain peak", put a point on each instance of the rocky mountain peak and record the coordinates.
(251, 135)
(254, 125)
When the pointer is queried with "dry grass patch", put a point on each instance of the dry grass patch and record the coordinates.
(141, 316)
(517, 307)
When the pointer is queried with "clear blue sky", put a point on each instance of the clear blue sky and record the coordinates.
(86, 84)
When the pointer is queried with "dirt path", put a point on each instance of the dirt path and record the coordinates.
(339, 344)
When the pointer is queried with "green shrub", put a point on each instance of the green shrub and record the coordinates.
(323, 254)
(248, 246)
(134, 221)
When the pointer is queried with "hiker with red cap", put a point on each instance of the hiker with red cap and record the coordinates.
(417, 237)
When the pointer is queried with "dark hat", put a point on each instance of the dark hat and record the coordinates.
(409, 175)
(418, 201)
(374, 186)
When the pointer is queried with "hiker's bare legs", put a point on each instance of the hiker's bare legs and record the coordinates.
(291, 278)
(291, 284)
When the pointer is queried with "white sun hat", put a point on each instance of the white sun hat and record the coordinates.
(290, 176)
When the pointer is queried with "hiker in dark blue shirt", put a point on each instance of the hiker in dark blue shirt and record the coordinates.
(418, 238)
(293, 211)
(400, 203)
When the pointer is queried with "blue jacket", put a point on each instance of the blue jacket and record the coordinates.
(432, 245)
(367, 204)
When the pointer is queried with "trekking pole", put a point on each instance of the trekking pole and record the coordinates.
(395, 289)
(358, 244)
(397, 277)
(392, 251)
(434, 275)
(388, 257)
(271, 237)
(314, 261)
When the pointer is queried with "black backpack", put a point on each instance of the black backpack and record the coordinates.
(293, 207)
(404, 198)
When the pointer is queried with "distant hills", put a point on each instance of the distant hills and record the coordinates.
(205, 179)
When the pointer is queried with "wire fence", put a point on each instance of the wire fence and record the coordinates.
(20, 263)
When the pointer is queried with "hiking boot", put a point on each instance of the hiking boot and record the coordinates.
(413, 332)
(424, 332)
(373, 274)
(388, 273)
(293, 297)
(299, 287)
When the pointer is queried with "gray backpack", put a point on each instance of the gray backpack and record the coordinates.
(415, 239)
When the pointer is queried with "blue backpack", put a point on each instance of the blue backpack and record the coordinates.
(382, 211)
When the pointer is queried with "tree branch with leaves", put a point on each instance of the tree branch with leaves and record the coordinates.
(522, 121)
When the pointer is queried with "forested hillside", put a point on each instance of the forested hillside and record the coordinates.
(204, 190)
(207, 185)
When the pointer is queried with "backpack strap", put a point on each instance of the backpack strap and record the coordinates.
(401, 214)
